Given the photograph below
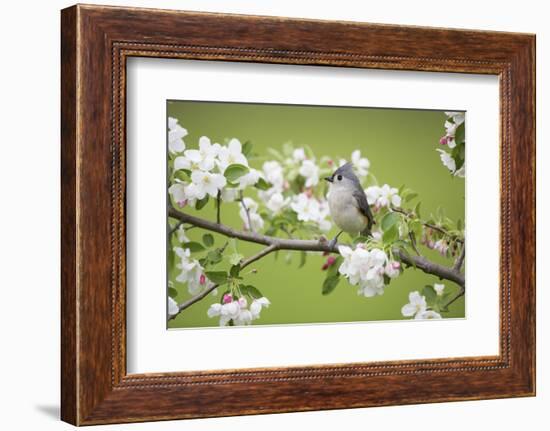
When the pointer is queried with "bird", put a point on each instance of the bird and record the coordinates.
(348, 204)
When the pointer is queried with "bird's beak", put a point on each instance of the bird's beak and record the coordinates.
(329, 179)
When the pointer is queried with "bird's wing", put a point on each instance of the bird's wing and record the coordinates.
(363, 204)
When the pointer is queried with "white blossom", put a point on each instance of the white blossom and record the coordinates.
(207, 183)
(176, 133)
(231, 155)
(447, 160)
(248, 213)
(192, 272)
(180, 233)
(361, 164)
(364, 268)
(237, 310)
(441, 246)
(257, 305)
(230, 194)
(392, 269)
(277, 203)
(439, 288)
(273, 172)
(308, 208)
(383, 196)
(417, 305)
(249, 179)
(427, 315)
(299, 155)
(173, 308)
(183, 194)
(310, 171)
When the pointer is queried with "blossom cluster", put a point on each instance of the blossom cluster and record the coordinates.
(449, 160)
(367, 268)
(206, 167)
(384, 196)
(192, 272)
(236, 310)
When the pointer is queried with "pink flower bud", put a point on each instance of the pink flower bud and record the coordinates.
(202, 279)
(227, 298)
(331, 260)
(443, 140)
(330, 162)
(181, 204)
(395, 265)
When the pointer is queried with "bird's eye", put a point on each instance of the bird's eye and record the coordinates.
(339, 177)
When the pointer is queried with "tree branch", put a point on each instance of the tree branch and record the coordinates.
(428, 225)
(460, 260)
(205, 293)
(419, 262)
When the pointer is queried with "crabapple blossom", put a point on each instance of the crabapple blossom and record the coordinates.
(364, 268)
(392, 269)
(361, 164)
(299, 155)
(383, 196)
(249, 215)
(191, 271)
(177, 190)
(417, 305)
(308, 208)
(439, 288)
(310, 171)
(207, 183)
(231, 155)
(427, 315)
(441, 246)
(237, 310)
(273, 172)
(249, 179)
(180, 233)
(173, 308)
(447, 160)
(176, 133)
(277, 203)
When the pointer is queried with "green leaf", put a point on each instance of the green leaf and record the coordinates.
(250, 291)
(417, 209)
(391, 235)
(235, 270)
(183, 174)
(330, 284)
(234, 172)
(460, 134)
(389, 220)
(303, 257)
(459, 224)
(194, 246)
(430, 294)
(201, 203)
(218, 277)
(214, 256)
(235, 258)
(415, 226)
(247, 148)
(208, 240)
(172, 293)
(410, 196)
(262, 184)
(333, 269)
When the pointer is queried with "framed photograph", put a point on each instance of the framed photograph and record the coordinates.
(322, 214)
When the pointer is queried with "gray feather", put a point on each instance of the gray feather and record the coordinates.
(363, 206)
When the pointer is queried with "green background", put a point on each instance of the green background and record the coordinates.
(400, 145)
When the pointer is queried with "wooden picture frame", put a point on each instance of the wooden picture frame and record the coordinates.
(95, 43)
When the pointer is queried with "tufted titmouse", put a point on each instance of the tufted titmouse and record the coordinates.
(348, 203)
